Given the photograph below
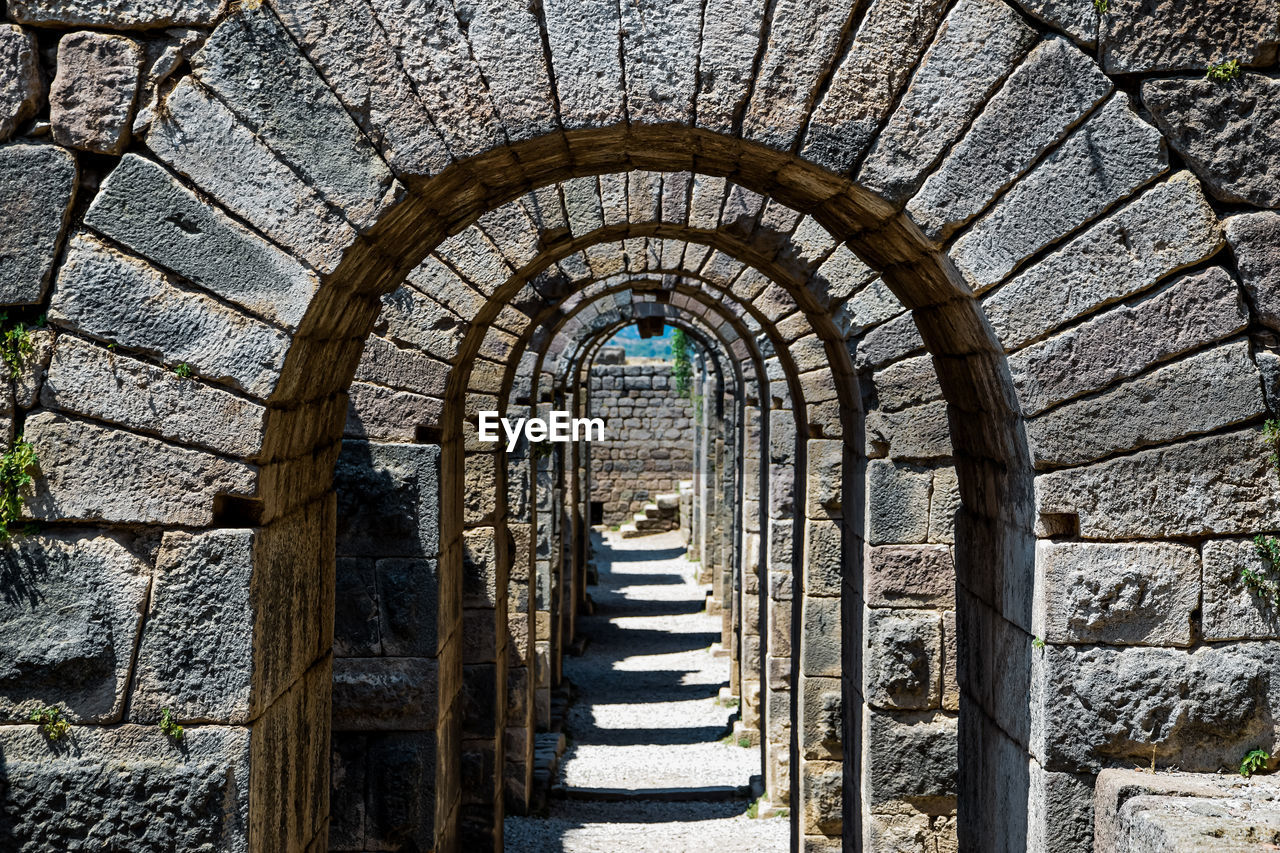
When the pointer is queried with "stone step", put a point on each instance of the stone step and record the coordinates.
(708, 794)
(628, 531)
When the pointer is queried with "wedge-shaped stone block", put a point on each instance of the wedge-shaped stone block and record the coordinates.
(977, 45)
(1076, 18)
(1213, 389)
(96, 473)
(388, 500)
(1167, 228)
(130, 785)
(89, 380)
(1194, 310)
(1233, 610)
(124, 300)
(144, 208)
(295, 112)
(1119, 594)
(903, 659)
(1043, 99)
(71, 612)
(910, 576)
(1225, 132)
(37, 186)
(1106, 159)
(385, 694)
(1146, 36)
(1200, 710)
(1255, 240)
(1164, 492)
(93, 94)
(19, 78)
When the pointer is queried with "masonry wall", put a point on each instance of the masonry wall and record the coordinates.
(648, 446)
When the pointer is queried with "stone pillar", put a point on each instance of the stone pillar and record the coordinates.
(777, 630)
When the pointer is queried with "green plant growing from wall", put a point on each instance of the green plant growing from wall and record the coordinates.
(1254, 761)
(1102, 6)
(15, 345)
(51, 723)
(1223, 72)
(682, 362)
(183, 371)
(169, 725)
(15, 474)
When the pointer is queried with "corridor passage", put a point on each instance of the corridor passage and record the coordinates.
(647, 720)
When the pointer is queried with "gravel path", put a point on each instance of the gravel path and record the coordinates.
(647, 717)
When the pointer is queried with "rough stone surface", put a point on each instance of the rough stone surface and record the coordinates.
(1255, 240)
(897, 503)
(1106, 159)
(19, 78)
(94, 92)
(916, 757)
(1204, 392)
(1232, 610)
(71, 610)
(918, 433)
(910, 576)
(204, 674)
(116, 14)
(1118, 594)
(1226, 133)
(907, 383)
(903, 659)
(1194, 310)
(88, 380)
(130, 785)
(1198, 710)
(1041, 101)
(144, 208)
(126, 301)
(37, 185)
(1167, 228)
(977, 45)
(393, 694)
(388, 499)
(1076, 18)
(1164, 492)
(1146, 36)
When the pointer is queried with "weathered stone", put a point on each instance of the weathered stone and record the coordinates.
(89, 380)
(976, 47)
(402, 789)
(247, 176)
(1200, 710)
(903, 659)
(409, 604)
(824, 487)
(731, 33)
(1226, 132)
(950, 658)
(128, 784)
(142, 207)
(389, 694)
(479, 567)
(823, 723)
(356, 621)
(19, 78)
(388, 499)
(1255, 240)
(205, 674)
(507, 44)
(253, 64)
(37, 185)
(897, 503)
(919, 433)
(1106, 159)
(1164, 491)
(910, 832)
(944, 504)
(381, 414)
(660, 79)
(885, 50)
(1145, 36)
(887, 343)
(93, 94)
(1119, 594)
(586, 62)
(1213, 389)
(915, 756)
(1233, 610)
(823, 557)
(72, 608)
(1076, 18)
(820, 651)
(1041, 101)
(910, 576)
(1194, 310)
(92, 472)
(1169, 227)
(116, 14)
(821, 790)
(124, 300)
(33, 369)
(907, 383)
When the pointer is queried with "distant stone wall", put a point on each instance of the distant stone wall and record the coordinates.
(648, 446)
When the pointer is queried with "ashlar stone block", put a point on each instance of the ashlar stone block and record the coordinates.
(1232, 609)
(1255, 240)
(95, 90)
(19, 78)
(903, 659)
(1146, 36)
(37, 187)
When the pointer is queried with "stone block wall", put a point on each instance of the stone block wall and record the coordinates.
(648, 446)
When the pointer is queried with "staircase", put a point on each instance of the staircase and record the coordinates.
(658, 517)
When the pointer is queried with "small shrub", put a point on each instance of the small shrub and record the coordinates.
(753, 810)
(15, 345)
(744, 742)
(1102, 6)
(51, 723)
(1223, 72)
(1254, 761)
(1037, 642)
(14, 475)
(183, 371)
(169, 725)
